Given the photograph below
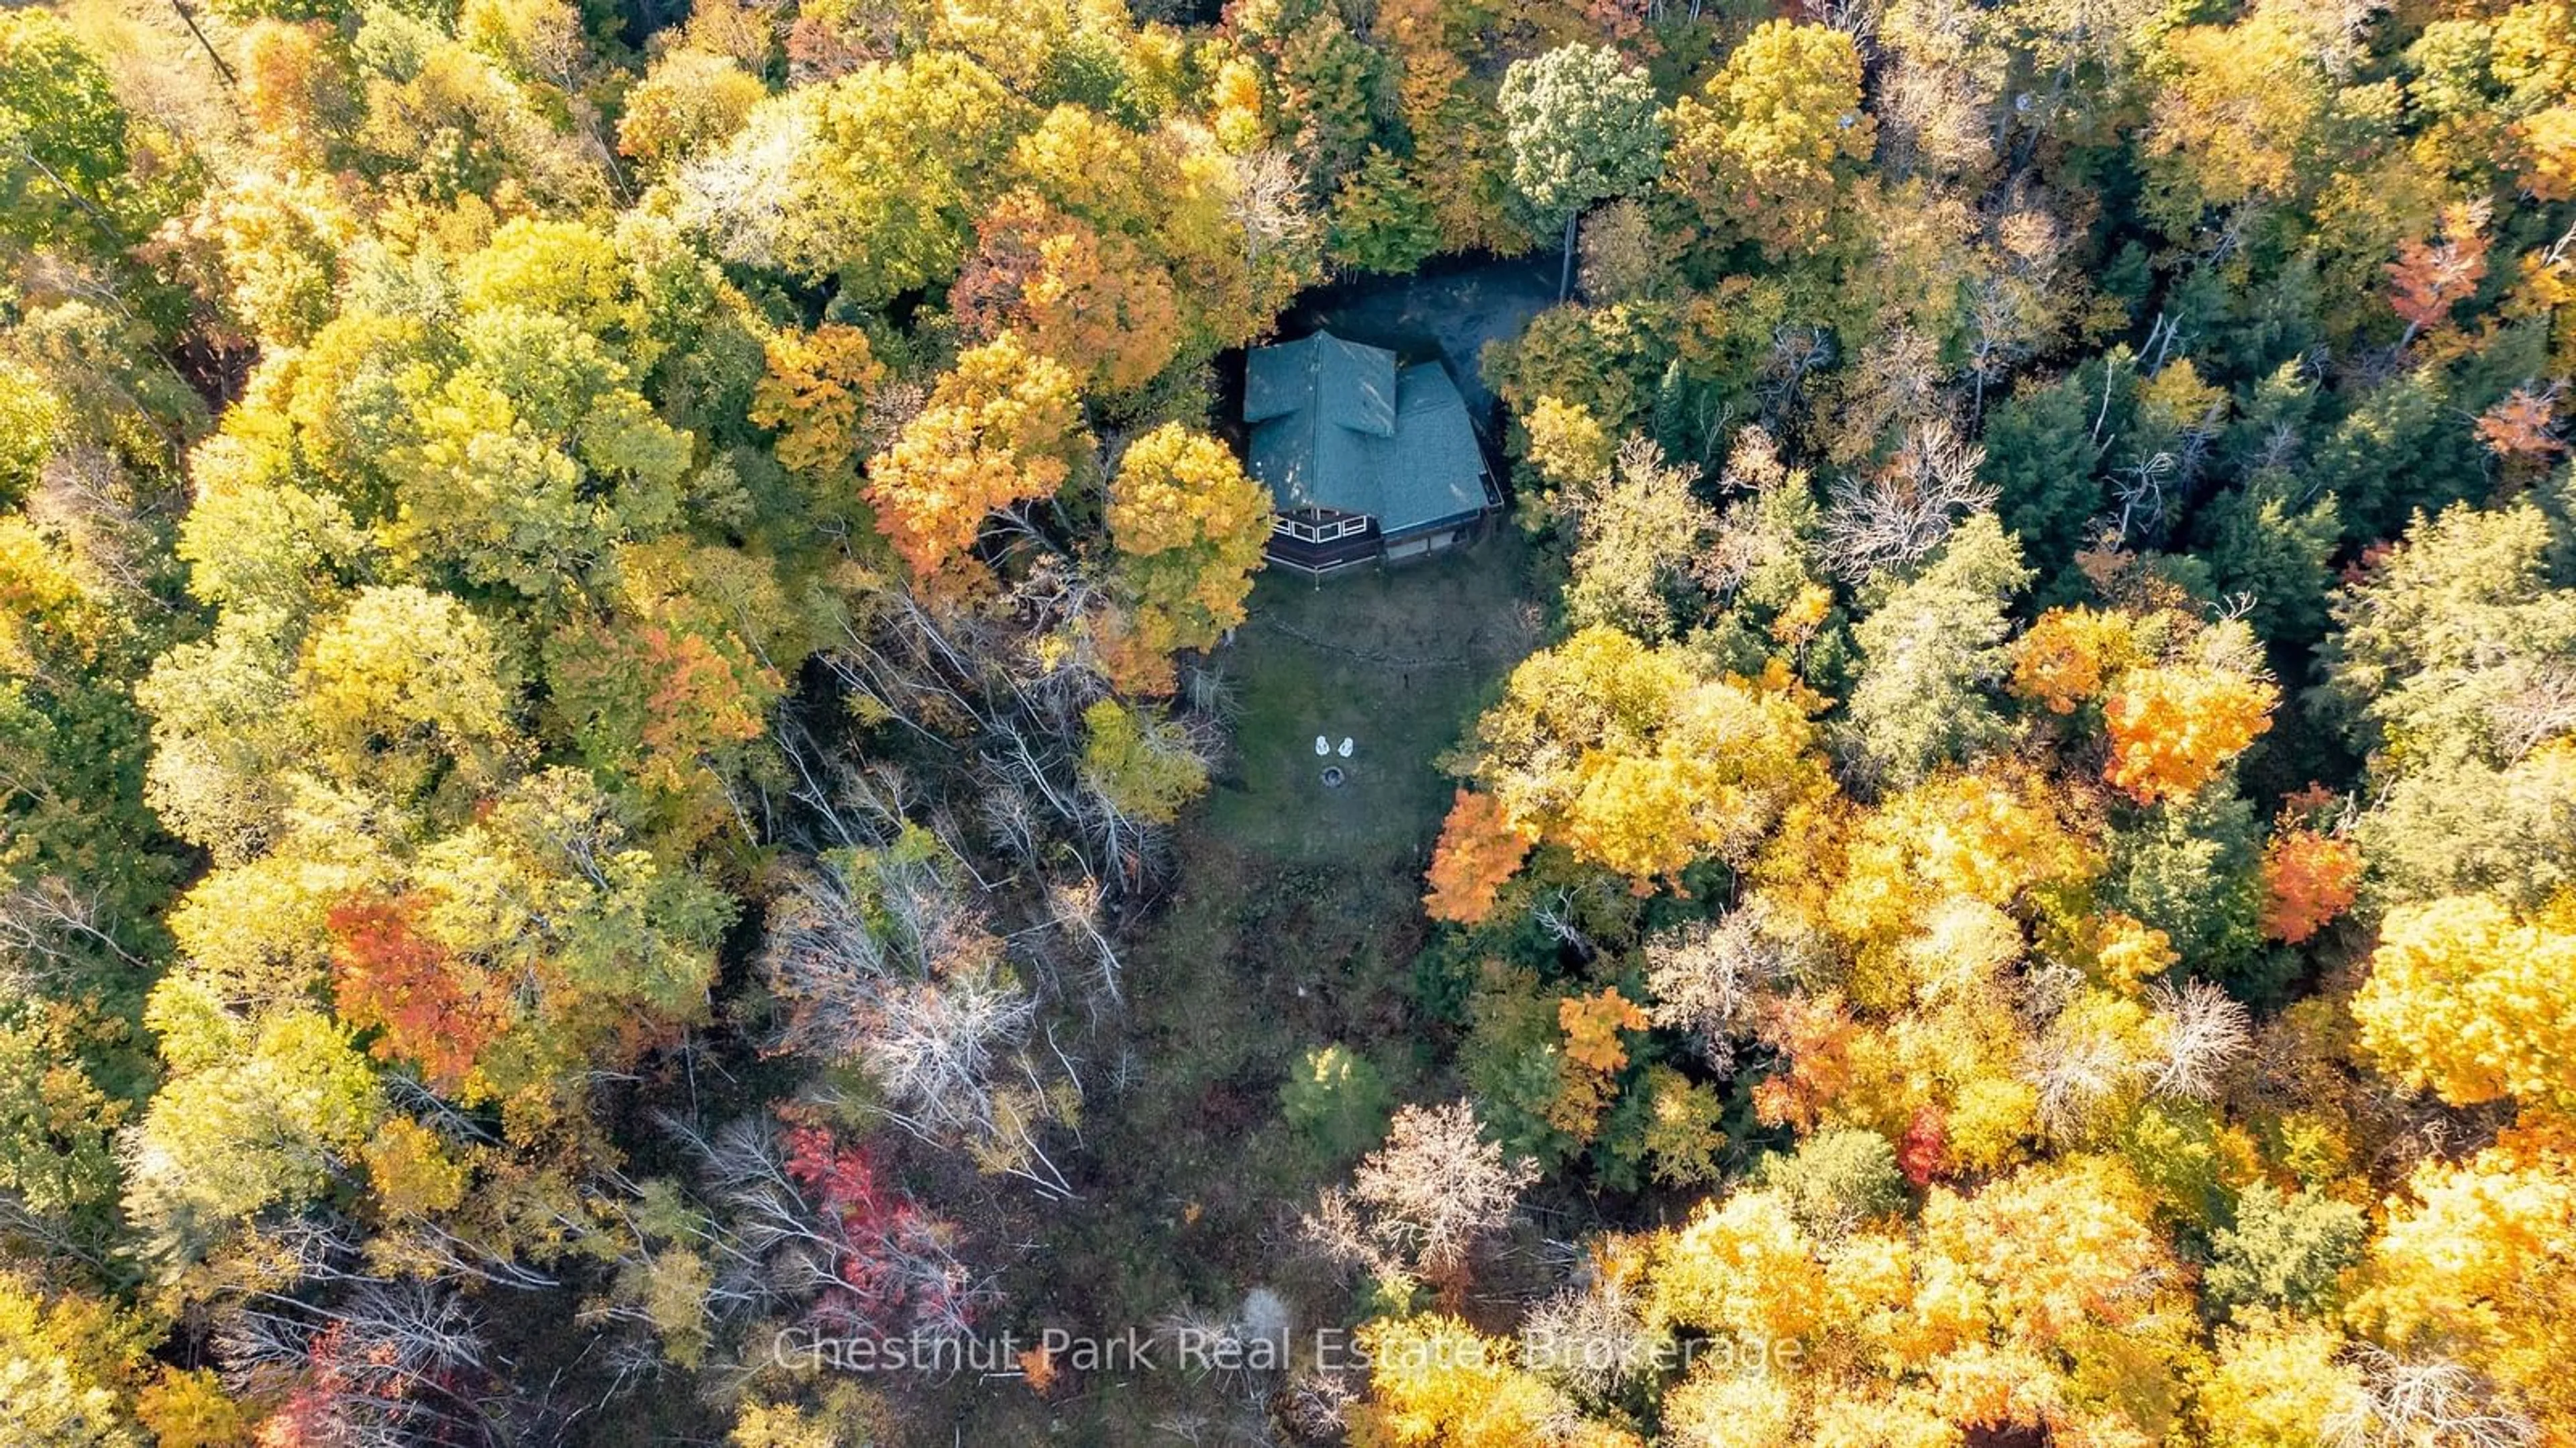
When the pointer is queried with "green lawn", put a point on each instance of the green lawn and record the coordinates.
(1293, 922)
(1396, 661)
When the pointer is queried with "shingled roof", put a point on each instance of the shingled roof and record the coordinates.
(1336, 424)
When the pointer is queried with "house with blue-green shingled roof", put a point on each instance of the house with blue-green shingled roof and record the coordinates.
(1365, 458)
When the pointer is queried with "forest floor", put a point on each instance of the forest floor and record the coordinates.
(1292, 923)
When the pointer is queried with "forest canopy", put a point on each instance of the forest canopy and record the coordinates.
(638, 719)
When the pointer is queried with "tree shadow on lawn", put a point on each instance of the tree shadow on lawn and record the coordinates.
(1293, 923)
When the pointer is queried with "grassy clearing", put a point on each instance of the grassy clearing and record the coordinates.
(1394, 661)
(1293, 923)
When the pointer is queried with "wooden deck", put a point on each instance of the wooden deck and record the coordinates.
(1318, 559)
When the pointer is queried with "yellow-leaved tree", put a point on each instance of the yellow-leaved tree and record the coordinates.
(1188, 527)
(2481, 1264)
(1762, 150)
(2471, 1002)
(1438, 1383)
(815, 394)
(1638, 759)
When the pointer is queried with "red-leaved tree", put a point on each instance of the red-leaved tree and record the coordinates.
(431, 1009)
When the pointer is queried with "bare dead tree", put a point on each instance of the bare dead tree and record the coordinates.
(1706, 976)
(2542, 709)
(46, 923)
(1934, 118)
(2078, 1066)
(1319, 1402)
(1797, 353)
(560, 55)
(2141, 489)
(1904, 510)
(1079, 911)
(422, 1244)
(1012, 825)
(2205, 1030)
(939, 1048)
(1557, 918)
(1855, 18)
(1591, 1337)
(387, 1365)
(1895, 384)
(1242, 1352)
(86, 495)
(977, 685)
(736, 195)
(1420, 1205)
(1268, 204)
(857, 1253)
(2409, 1402)
(904, 979)
(188, 18)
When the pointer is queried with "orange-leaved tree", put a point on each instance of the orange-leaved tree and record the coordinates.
(2432, 276)
(1480, 849)
(2173, 727)
(1071, 291)
(1002, 427)
(2309, 878)
(2065, 658)
(1593, 1057)
(429, 1007)
(2482, 1262)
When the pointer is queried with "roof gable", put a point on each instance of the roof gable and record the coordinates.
(1357, 385)
(1433, 469)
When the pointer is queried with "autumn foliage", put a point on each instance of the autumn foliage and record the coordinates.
(1479, 850)
(2432, 275)
(1637, 758)
(1443, 1383)
(815, 395)
(431, 1009)
(2309, 878)
(2479, 1254)
(2174, 728)
(2468, 999)
(2523, 427)
(1189, 527)
(1072, 292)
(1594, 1055)
(660, 698)
(889, 1259)
(570, 573)
(999, 429)
(2064, 659)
